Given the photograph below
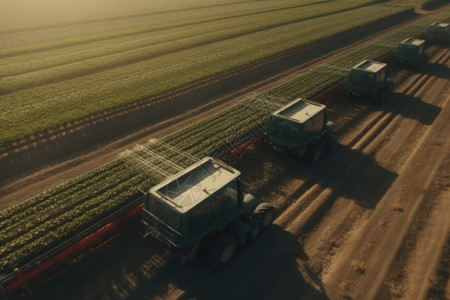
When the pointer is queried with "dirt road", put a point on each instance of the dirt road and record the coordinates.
(370, 221)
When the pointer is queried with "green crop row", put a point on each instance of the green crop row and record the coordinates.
(53, 216)
(29, 14)
(155, 40)
(32, 111)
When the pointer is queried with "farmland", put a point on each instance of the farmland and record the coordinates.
(359, 225)
(116, 76)
(78, 203)
(98, 65)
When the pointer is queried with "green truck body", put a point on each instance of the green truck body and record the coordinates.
(204, 202)
(301, 127)
(411, 51)
(438, 32)
(369, 78)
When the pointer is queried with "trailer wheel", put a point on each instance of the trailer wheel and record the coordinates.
(265, 214)
(222, 250)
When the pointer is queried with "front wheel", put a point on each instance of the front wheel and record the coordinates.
(222, 250)
(265, 214)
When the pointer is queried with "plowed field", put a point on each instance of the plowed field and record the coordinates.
(370, 221)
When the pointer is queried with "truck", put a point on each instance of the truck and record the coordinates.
(369, 79)
(204, 209)
(411, 51)
(438, 32)
(302, 128)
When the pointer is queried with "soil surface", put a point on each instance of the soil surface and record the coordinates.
(369, 221)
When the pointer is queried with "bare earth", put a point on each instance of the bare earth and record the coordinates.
(370, 221)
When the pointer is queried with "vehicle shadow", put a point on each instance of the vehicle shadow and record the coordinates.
(414, 108)
(274, 266)
(362, 180)
(440, 70)
(132, 267)
(347, 172)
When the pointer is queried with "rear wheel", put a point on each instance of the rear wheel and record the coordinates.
(350, 95)
(382, 96)
(222, 250)
(316, 150)
(255, 229)
(331, 141)
(265, 214)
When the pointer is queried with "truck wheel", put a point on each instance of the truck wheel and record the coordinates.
(312, 155)
(315, 151)
(265, 214)
(222, 250)
(331, 141)
(350, 95)
(382, 96)
(255, 229)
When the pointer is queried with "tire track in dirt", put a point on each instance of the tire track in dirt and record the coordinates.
(358, 267)
(258, 272)
(359, 142)
(409, 276)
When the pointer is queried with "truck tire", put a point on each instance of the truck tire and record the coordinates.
(350, 95)
(222, 250)
(382, 95)
(331, 141)
(256, 228)
(240, 229)
(265, 214)
(316, 150)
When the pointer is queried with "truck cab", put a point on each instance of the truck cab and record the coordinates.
(301, 127)
(203, 202)
(411, 51)
(369, 78)
(438, 32)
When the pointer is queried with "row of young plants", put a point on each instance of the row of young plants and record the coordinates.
(157, 40)
(25, 39)
(29, 14)
(29, 229)
(32, 111)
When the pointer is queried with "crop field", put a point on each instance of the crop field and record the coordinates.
(30, 228)
(69, 66)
